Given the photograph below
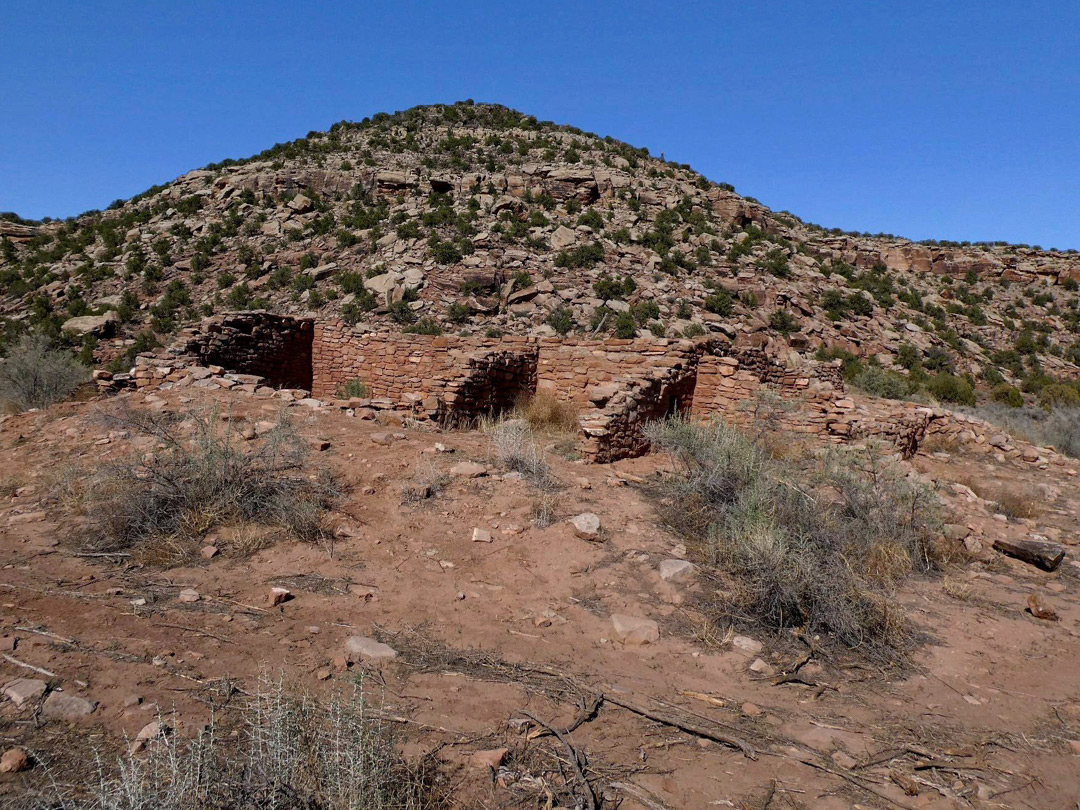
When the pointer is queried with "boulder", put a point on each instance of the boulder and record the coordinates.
(676, 570)
(58, 704)
(586, 526)
(97, 325)
(562, 238)
(14, 760)
(635, 631)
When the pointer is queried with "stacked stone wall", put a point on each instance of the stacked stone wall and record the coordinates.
(617, 386)
(441, 376)
(274, 347)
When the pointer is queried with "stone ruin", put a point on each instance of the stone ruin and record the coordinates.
(616, 386)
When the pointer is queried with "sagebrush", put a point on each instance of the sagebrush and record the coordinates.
(204, 474)
(35, 375)
(292, 752)
(817, 550)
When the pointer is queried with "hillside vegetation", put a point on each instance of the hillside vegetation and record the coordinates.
(478, 219)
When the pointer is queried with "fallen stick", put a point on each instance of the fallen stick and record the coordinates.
(25, 665)
(196, 631)
(674, 722)
(575, 756)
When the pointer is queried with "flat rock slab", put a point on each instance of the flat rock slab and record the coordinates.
(369, 648)
(635, 631)
(24, 690)
(58, 704)
(676, 570)
(747, 644)
(586, 526)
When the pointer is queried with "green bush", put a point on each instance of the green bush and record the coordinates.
(951, 388)
(1007, 395)
(720, 302)
(783, 322)
(608, 288)
(1059, 395)
(625, 326)
(561, 319)
(878, 382)
(581, 256)
(425, 326)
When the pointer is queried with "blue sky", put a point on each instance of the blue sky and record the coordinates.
(956, 120)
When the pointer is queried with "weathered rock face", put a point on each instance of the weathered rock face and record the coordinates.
(98, 325)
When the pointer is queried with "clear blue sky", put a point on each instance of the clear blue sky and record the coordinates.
(955, 120)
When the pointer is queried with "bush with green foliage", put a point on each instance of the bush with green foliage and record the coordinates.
(951, 388)
(783, 322)
(561, 319)
(581, 256)
(425, 326)
(1006, 394)
(608, 288)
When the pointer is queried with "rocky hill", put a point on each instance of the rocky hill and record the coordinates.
(478, 219)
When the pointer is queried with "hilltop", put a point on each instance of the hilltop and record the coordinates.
(478, 219)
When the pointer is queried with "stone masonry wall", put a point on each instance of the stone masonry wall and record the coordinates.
(617, 386)
(438, 376)
(275, 347)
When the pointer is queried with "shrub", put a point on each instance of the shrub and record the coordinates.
(445, 252)
(720, 302)
(783, 322)
(625, 326)
(513, 446)
(950, 388)
(458, 312)
(35, 375)
(353, 389)
(823, 560)
(1059, 394)
(425, 326)
(204, 475)
(608, 288)
(545, 413)
(581, 256)
(645, 311)
(561, 319)
(878, 382)
(1007, 395)
(291, 751)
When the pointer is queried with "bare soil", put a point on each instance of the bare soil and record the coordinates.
(988, 714)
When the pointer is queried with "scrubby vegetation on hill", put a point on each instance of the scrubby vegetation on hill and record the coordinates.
(475, 218)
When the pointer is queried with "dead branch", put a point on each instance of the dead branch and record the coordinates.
(576, 757)
(682, 725)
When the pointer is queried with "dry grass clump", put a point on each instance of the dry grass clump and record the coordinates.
(203, 475)
(1058, 428)
(816, 551)
(1015, 502)
(292, 752)
(513, 446)
(546, 414)
(428, 482)
(35, 375)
